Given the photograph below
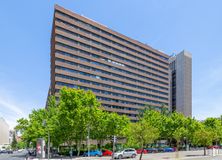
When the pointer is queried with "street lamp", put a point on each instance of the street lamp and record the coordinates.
(88, 140)
(44, 124)
(114, 141)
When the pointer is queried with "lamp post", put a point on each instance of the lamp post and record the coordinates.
(114, 141)
(44, 124)
(88, 140)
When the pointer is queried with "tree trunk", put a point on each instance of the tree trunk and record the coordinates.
(78, 147)
(204, 150)
(170, 142)
(100, 145)
(141, 154)
(177, 149)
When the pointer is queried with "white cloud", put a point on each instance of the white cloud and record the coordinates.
(10, 109)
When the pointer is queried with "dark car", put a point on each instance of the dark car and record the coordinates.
(9, 151)
(32, 152)
(160, 149)
(152, 150)
(3, 151)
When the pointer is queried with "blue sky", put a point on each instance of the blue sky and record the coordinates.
(170, 26)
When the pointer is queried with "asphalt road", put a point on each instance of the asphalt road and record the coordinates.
(190, 155)
(183, 155)
(14, 156)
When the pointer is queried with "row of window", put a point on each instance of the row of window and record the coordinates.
(104, 45)
(113, 36)
(127, 108)
(108, 48)
(142, 105)
(108, 73)
(109, 86)
(97, 43)
(122, 108)
(105, 39)
(106, 55)
(111, 67)
(113, 80)
(109, 93)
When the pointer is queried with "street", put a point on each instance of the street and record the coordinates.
(183, 155)
(14, 156)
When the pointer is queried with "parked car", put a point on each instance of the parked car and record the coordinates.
(96, 153)
(126, 153)
(20, 150)
(3, 151)
(168, 149)
(138, 151)
(10, 151)
(107, 152)
(152, 150)
(32, 152)
(160, 149)
(215, 147)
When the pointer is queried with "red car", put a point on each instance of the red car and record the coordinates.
(138, 151)
(107, 152)
(215, 147)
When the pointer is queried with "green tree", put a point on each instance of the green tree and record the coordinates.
(21, 145)
(14, 142)
(214, 125)
(77, 109)
(142, 133)
(146, 130)
(203, 137)
(175, 127)
(117, 125)
(32, 128)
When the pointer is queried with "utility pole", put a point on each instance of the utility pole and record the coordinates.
(48, 143)
(44, 124)
(114, 141)
(88, 141)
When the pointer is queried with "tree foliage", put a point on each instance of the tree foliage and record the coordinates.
(203, 137)
(77, 113)
(14, 142)
(146, 130)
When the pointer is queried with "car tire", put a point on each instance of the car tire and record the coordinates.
(120, 156)
(133, 156)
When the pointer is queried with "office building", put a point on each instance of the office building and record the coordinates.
(125, 75)
(181, 83)
(4, 132)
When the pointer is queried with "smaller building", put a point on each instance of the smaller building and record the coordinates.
(181, 83)
(4, 133)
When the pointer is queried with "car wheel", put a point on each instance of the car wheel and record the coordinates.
(133, 156)
(120, 156)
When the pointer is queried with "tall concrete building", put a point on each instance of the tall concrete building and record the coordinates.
(124, 74)
(4, 132)
(181, 83)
